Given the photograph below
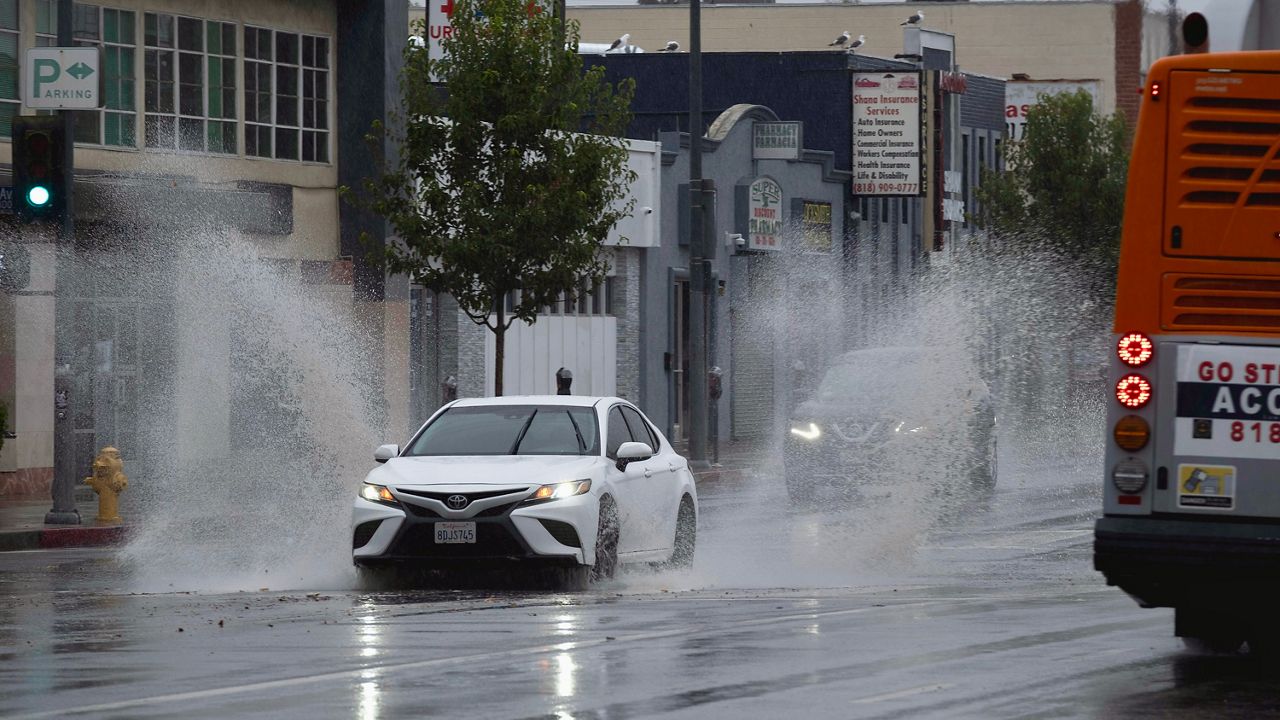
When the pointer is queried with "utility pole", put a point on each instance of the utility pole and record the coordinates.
(1175, 39)
(64, 510)
(699, 268)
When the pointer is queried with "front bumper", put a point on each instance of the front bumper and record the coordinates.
(547, 532)
(1167, 562)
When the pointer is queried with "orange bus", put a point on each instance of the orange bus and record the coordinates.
(1191, 507)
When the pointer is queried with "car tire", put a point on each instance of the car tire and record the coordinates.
(686, 534)
(799, 493)
(983, 473)
(606, 564)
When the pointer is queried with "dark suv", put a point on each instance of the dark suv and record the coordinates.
(884, 416)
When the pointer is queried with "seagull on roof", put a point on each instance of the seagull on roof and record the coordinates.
(840, 41)
(672, 46)
(621, 42)
(914, 19)
(862, 40)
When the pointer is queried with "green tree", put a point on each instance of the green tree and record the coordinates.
(512, 167)
(1063, 182)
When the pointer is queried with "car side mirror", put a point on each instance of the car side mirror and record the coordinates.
(630, 452)
(385, 453)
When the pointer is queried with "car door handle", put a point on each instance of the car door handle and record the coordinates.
(671, 466)
(648, 471)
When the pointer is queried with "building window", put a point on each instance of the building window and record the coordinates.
(286, 87)
(188, 84)
(905, 205)
(9, 101)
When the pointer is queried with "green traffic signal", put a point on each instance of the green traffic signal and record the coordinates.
(38, 196)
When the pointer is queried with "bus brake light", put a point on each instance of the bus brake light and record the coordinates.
(1133, 391)
(1135, 349)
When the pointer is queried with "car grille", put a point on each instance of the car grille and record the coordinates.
(471, 496)
(563, 532)
(492, 540)
(363, 533)
(420, 511)
(497, 510)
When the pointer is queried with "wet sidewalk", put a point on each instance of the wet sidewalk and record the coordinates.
(735, 460)
(22, 525)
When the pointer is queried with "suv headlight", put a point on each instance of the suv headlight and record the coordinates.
(806, 431)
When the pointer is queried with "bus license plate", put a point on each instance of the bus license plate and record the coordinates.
(455, 532)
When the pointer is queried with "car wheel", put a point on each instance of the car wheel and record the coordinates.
(983, 474)
(686, 534)
(606, 541)
(800, 493)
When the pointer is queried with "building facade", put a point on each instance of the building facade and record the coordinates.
(227, 119)
(1111, 42)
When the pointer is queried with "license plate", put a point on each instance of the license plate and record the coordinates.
(455, 532)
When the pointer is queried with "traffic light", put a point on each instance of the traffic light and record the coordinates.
(39, 157)
(1195, 34)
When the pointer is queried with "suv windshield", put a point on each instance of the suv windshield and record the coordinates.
(510, 430)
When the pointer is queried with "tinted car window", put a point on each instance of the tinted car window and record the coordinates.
(618, 432)
(495, 430)
(559, 432)
(640, 430)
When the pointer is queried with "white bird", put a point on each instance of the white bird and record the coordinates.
(672, 46)
(621, 42)
(915, 19)
(840, 41)
(862, 39)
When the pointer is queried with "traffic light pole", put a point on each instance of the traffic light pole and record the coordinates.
(698, 391)
(64, 510)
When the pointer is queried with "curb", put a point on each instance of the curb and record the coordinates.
(66, 537)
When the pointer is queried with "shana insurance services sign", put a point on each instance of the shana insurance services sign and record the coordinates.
(886, 134)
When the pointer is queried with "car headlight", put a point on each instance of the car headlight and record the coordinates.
(559, 491)
(809, 431)
(378, 494)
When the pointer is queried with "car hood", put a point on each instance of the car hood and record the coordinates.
(504, 470)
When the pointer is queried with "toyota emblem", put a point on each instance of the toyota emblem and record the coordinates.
(456, 502)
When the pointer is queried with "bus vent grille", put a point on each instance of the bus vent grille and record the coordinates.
(1199, 302)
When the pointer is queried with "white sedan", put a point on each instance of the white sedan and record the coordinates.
(583, 483)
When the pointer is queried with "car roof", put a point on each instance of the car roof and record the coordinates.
(564, 400)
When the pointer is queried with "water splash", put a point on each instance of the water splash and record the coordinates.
(273, 420)
(1030, 323)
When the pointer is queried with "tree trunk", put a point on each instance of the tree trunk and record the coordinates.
(499, 345)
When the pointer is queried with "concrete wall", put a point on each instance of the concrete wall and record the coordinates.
(1041, 39)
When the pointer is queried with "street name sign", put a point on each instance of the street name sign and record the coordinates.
(65, 78)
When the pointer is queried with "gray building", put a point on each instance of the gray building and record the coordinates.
(777, 269)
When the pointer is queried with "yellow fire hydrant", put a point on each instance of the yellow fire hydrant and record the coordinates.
(108, 480)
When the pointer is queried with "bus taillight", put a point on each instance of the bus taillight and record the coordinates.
(1132, 433)
(1133, 391)
(1135, 349)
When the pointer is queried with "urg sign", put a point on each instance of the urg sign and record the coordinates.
(62, 77)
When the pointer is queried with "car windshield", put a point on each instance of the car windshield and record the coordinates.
(510, 430)
(897, 380)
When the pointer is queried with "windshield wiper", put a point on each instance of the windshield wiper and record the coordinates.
(582, 444)
(523, 430)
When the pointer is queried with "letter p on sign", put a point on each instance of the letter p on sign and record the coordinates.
(46, 71)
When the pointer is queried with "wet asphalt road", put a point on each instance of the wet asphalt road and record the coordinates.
(845, 612)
